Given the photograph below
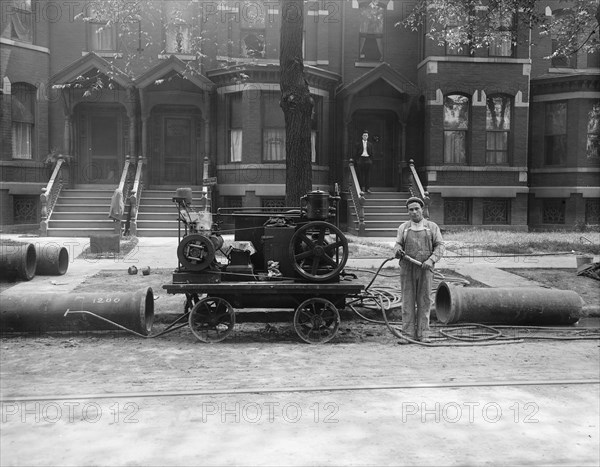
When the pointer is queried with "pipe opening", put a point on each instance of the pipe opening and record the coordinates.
(30, 262)
(63, 261)
(443, 303)
(148, 309)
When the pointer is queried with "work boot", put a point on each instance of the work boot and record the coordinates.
(424, 340)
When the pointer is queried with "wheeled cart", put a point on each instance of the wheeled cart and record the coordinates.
(211, 307)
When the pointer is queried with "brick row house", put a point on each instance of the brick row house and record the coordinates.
(501, 137)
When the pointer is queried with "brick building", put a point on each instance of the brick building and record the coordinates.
(501, 138)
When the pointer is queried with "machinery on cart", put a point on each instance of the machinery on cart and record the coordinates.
(293, 260)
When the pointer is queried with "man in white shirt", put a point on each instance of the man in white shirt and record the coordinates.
(364, 160)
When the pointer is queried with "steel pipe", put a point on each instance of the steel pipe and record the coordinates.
(517, 305)
(52, 260)
(17, 261)
(46, 312)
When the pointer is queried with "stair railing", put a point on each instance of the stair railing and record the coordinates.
(124, 187)
(133, 201)
(416, 188)
(357, 198)
(50, 193)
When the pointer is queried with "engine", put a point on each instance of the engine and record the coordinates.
(298, 245)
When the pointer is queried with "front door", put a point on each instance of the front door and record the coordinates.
(177, 155)
(101, 144)
(382, 133)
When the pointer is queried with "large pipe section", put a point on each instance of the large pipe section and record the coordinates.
(17, 261)
(46, 312)
(52, 260)
(518, 305)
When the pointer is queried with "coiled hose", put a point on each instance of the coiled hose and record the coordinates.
(385, 299)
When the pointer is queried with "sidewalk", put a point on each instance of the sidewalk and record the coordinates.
(161, 252)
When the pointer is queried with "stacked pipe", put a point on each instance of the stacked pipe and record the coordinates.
(52, 260)
(37, 312)
(22, 261)
(17, 261)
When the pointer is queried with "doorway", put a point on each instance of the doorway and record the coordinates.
(176, 154)
(175, 141)
(383, 133)
(101, 144)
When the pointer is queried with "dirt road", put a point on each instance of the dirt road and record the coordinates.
(262, 397)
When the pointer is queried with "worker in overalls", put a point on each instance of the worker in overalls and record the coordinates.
(421, 240)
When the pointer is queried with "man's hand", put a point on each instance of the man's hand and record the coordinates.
(400, 253)
(428, 264)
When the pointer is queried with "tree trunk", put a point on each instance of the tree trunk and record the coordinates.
(296, 103)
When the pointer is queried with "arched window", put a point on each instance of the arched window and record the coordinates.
(456, 128)
(497, 127)
(23, 120)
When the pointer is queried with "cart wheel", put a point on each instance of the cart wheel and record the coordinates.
(196, 252)
(318, 251)
(212, 319)
(316, 321)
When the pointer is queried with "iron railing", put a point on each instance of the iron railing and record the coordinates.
(133, 200)
(357, 200)
(50, 193)
(124, 187)
(416, 188)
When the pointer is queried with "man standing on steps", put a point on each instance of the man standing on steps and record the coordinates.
(364, 160)
(421, 240)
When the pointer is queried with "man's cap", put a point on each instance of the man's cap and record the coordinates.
(365, 131)
(414, 199)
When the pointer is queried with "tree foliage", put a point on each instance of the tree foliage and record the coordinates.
(134, 23)
(477, 23)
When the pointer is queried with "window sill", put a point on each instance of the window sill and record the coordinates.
(24, 45)
(367, 64)
(103, 54)
(572, 71)
(458, 58)
(13, 162)
(184, 57)
(316, 62)
(246, 60)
